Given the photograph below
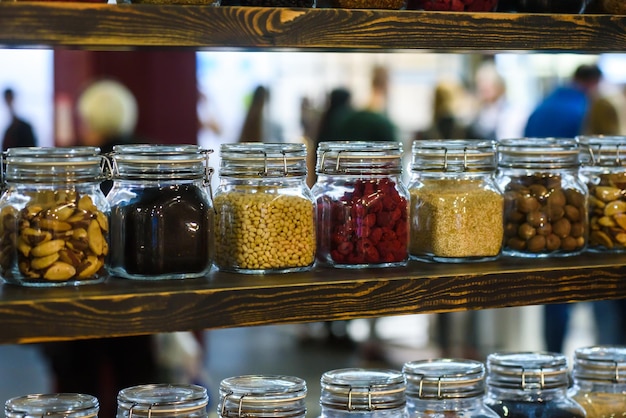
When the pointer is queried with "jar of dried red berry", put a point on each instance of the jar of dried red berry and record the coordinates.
(362, 205)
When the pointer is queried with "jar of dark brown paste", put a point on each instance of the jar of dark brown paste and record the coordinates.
(526, 384)
(599, 375)
(54, 217)
(456, 205)
(161, 212)
(545, 212)
(362, 205)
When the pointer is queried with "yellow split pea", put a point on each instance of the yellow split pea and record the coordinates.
(261, 231)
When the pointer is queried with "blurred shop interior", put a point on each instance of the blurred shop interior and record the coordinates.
(202, 97)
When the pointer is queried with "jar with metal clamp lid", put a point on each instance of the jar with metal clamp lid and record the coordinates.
(450, 388)
(366, 393)
(261, 396)
(54, 405)
(163, 400)
(54, 225)
(522, 385)
(599, 375)
(161, 212)
(456, 206)
(362, 205)
(545, 212)
(265, 210)
(603, 169)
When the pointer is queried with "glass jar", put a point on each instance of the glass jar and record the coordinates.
(265, 210)
(61, 405)
(366, 393)
(545, 200)
(362, 205)
(522, 385)
(55, 218)
(604, 172)
(163, 400)
(599, 375)
(161, 212)
(262, 396)
(456, 205)
(450, 388)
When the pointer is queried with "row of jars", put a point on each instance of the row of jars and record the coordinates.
(467, 201)
(512, 385)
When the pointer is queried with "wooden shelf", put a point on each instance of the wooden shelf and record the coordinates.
(125, 307)
(111, 26)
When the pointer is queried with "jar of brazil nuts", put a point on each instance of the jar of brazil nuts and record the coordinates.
(599, 375)
(163, 400)
(456, 205)
(604, 172)
(362, 205)
(545, 212)
(161, 212)
(54, 405)
(450, 388)
(262, 396)
(54, 229)
(366, 393)
(265, 211)
(527, 384)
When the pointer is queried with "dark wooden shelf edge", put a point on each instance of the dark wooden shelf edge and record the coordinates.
(124, 307)
(98, 26)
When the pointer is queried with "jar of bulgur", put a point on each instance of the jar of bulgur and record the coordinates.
(599, 375)
(456, 205)
(265, 212)
(54, 228)
(163, 400)
(603, 170)
(362, 215)
(161, 212)
(545, 199)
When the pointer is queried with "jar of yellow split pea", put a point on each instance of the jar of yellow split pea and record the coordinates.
(265, 212)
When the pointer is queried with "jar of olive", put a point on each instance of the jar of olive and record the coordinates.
(545, 200)
(54, 225)
(265, 212)
(362, 205)
(599, 375)
(603, 169)
(456, 205)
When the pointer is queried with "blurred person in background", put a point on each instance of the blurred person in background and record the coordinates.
(562, 114)
(371, 123)
(19, 133)
(446, 122)
(258, 125)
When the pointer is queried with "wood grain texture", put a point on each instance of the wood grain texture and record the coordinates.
(124, 307)
(97, 26)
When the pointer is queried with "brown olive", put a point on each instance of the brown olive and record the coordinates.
(545, 229)
(578, 229)
(538, 191)
(569, 243)
(526, 231)
(516, 216)
(510, 229)
(536, 243)
(536, 218)
(555, 212)
(527, 203)
(552, 242)
(516, 243)
(572, 213)
(553, 182)
(562, 228)
(556, 198)
(575, 198)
